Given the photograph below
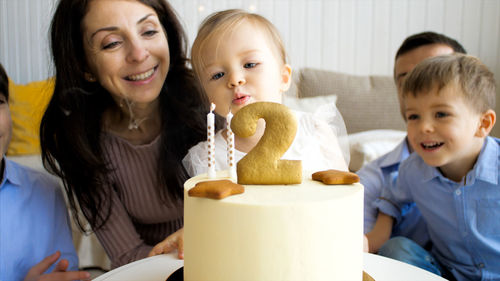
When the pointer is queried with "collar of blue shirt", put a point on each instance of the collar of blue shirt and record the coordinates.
(397, 155)
(11, 173)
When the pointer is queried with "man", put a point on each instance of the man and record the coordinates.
(35, 237)
(383, 172)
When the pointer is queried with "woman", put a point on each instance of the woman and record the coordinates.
(125, 111)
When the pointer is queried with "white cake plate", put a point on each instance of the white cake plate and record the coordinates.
(158, 268)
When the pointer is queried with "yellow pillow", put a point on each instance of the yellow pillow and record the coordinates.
(27, 104)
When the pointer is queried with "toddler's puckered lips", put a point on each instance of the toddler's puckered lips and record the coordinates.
(141, 76)
(239, 98)
(431, 145)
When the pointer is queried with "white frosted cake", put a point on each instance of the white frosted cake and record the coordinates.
(307, 231)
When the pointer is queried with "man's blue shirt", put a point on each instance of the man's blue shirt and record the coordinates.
(382, 173)
(463, 219)
(33, 222)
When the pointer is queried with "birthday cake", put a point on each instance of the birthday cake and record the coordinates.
(278, 223)
(308, 231)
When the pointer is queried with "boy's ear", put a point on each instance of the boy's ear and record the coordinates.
(286, 77)
(486, 123)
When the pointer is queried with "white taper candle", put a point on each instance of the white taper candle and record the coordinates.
(211, 141)
(230, 146)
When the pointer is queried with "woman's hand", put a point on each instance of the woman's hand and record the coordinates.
(172, 242)
(59, 273)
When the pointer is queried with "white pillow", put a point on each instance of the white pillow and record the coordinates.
(308, 104)
(370, 145)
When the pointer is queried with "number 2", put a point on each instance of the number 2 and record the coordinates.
(262, 165)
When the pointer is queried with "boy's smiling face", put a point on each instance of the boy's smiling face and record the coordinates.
(5, 124)
(442, 128)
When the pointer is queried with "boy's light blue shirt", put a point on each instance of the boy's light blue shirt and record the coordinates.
(33, 222)
(381, 173)
(463, 220)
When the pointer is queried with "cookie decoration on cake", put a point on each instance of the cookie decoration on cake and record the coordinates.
(217, 189)
(262, 165)
(331, 177)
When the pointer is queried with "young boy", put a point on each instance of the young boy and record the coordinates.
(34, 230)
(454, 175)
(383, 172)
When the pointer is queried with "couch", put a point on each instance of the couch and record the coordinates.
(368, 105)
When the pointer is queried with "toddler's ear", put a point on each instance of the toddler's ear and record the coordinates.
(486, 123)
(286, 77)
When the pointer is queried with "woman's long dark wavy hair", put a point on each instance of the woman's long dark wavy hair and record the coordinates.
(71, 127)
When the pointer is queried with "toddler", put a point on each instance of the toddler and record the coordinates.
(454, 175)
(239, 59)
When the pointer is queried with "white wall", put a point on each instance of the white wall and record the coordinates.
(362, 36)
(24, 49)
(353, 36)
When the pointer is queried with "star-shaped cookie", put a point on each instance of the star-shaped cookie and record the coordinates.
(335, 177)
(217, 189)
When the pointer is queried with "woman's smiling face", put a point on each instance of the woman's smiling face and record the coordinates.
(126, 49)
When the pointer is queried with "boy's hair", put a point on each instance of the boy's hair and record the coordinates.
(475, 79)
(219, 23)
(4, 82)
(427, 38)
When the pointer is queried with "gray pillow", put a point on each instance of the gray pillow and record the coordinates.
(365, 102)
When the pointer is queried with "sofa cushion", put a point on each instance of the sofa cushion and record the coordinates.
(365, 102)
(27, 104)
(369, 145)
(308, 104)
(292, 91)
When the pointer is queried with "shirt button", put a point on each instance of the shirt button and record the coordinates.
(458, 192)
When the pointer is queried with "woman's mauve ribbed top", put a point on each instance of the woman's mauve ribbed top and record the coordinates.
(139, 218)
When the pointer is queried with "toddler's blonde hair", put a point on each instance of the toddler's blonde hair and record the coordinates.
(468, 72)
(219, 23)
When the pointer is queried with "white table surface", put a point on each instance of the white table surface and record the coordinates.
(158, 268)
